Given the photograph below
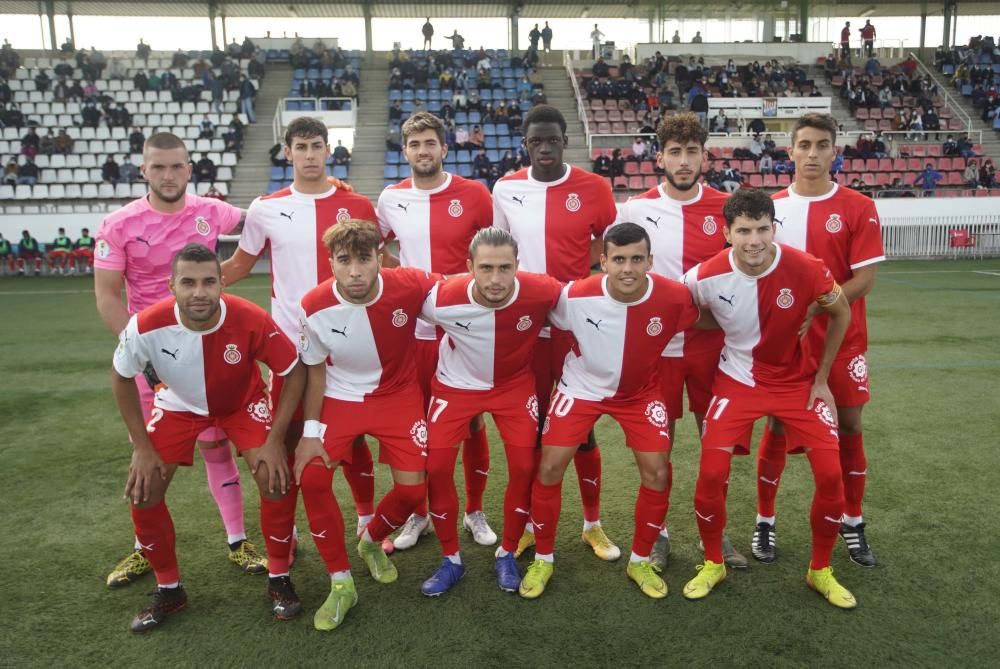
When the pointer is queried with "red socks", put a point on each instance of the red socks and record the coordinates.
(277, 520)
(443, 496)
(855, 469)
(770, 465)
(827, 505)
(650, 513)
(546, 503)
(395, 508)
(476, 462)
(588, 472)
(155, 531)
(360, 475)
(517, 498)
(710, 500)
(326, 523)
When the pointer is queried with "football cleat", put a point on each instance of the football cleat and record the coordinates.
(414, 528)
(647, 577)
(246, 557)
(508, 574)
(285, 603)
(709, 575)
(165, 602)
(603, 547)
(823, 582)
(732, 557)
(535, 579)
(331, 614)
(475, 523)
(857, 545)
(379, 565)
(764, 543)
(661, 552)
(526, 541)
(443, 578)
(129, 569)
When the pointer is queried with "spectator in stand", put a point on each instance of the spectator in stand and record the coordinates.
(534, 36)
(780, 166)
(640, 149)
(110, 171)
(676, 39)
(462, 138)
(48, 144)
(396, 111)
(602, 165)
(457, 41)
(10, 173)
(897, 189)
(28, 249)
(547, 38)
(757, 126)
(838, 164)
(476, 137)
(207, 128)
(697, 38)
(205, 170)
(698, 102)
(766, 164)
(971, 175)
(481, 165)
(950, 146)
(277, 155)
(965, 147)
(731, 178)
(248, 94)
(142, 50)
(394, 138)
(214, 193)
(617, 163)
(595, 38)
(341, 156)
(27, 174)
(67, 46)
(136, 140)
(428, 32)
(129, 172)
(720, 123)
(42, 81)
(600, 68)
(916, 128)
(756, 147)
(845, 41)
(868, 36)
(928, 179)
(30, 143)
(988, 174)
(930, 121)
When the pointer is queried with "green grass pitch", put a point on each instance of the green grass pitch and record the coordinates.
(933, 498)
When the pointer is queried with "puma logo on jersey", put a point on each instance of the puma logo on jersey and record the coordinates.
(769, 481)
(597, 325)
(464, 326)
(340, 332)
(404, 207)
(519, 200)
(286, 215)
(173, 354)
(728, 300)
(144, 241)
(707, 519)
(656, 223)
(779, 221)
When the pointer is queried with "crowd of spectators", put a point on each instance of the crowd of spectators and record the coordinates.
(975, 72)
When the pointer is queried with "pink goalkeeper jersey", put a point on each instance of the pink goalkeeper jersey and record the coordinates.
(141, 242)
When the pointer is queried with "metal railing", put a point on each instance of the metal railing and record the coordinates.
(319, 106)
(932, 236)
(580, 111)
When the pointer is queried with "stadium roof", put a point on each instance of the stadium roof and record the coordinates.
(549, 9)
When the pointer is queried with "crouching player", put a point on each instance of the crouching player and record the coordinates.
(357, 339)
(205, 347)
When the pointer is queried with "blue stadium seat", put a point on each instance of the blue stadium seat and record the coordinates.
(492, 142)
(489, 129)
(475, 117)
(391, 157)
(493, 155)
(277, 173)
(390, 172)
(505, 142)
(273, 186)
(289, 173)
(404, 170)
(464, 156)
(461, 118)
(340, 171)
(465, 170)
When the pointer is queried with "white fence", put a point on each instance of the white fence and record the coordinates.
(928, 227)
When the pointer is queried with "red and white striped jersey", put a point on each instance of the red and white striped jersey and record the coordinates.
(618, 345)
(554, 222)
(211, 372)
(368, 348)
(485, 347)
(293, 223)
(842, 229)
(761, 315)
(434, 227)
(683, 234)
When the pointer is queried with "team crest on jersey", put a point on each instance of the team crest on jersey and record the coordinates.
(103, 249)
(532, 407)
(573, 202)
(524, 323)
(655, 326)
(202, 226)
(455, 208)
(823, 412)
(260, 410)
(834, 224)
(857, 369)
(656, 414)
(418, 433)
(343, 216)
(785, 299)
(399, 318)
(232, 354)
(710, 227)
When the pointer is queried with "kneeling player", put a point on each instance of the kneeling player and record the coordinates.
(491, 323)
(205, 348)
(762, 372)
(357, 338)
(621, 320)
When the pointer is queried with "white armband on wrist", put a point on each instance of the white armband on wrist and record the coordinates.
(313, 429)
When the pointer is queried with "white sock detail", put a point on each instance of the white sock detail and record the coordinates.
(169, 586)
(637, 558)
(364, 520)
(545, 557)
(501, 553)
(588, 525)
(270, 575)
(765, 519)
(233, 538)
(664, 533)
(454, 559)
(338, 576)
(853, 521)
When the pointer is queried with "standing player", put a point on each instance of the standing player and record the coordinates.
(206, 348)
(83, 250)
(840, 227)
(758, 292)
(434, 215)
(291, 222)
(491, 323)
(557, 214)
(134, 247)
(60, 253)
(362, 321)
(621, 320)
(684, 221)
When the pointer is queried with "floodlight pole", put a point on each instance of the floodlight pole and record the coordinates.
(368, 27)
(803, 20)
(50, 10)
(211, 23)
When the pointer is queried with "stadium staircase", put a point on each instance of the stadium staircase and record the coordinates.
(250, 179)
(368, 154)
(991, 140)
(559, 94)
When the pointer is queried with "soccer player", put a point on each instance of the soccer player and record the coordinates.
(840, 227)
(291, 222)
(7, 254)
(621, 320)
(557, 213)
(60, 252)
(206, 348)
(684, 221)
(491, 323)
(134, 247)
(362, 320)
(83, 250)
(28, 249)
(434, 215)
(758, 292)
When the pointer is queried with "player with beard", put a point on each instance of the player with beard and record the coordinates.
(134, 248)
(684, 220)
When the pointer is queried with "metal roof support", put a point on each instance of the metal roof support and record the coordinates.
(923, 23)
(804, 20)
(368, 27)
(211, 23)
(50, 11)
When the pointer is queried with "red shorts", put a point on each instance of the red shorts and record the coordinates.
(514, 406)
(396, 420)
(426, 351)
(547, 364)
(274, 386)
(174, 433)
(849, 381)
(735, 407)
(146, 396)
(697, 372)
(643, 419)
(59, 253)
(83, 253)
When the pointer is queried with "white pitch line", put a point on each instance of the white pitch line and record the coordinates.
(980, 271)
(940, 271)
